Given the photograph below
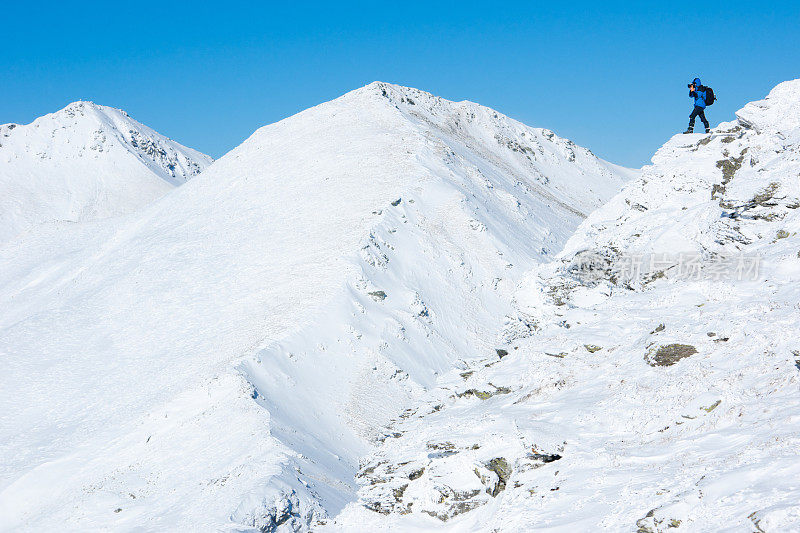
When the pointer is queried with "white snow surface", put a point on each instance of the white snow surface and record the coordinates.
(227, 356)
(82, 163)
(663, 399)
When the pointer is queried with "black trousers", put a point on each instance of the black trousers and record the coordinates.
(698, 112)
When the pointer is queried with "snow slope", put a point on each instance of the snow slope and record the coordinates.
(224, 357)
(652, 376)
(82, 163)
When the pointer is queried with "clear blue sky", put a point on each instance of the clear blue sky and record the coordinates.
(609, 75)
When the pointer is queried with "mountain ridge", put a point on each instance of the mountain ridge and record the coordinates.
(650, 373)
(350, 249)
(389, 312)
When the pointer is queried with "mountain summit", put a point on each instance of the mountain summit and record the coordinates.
(82, 163)
(242, 342)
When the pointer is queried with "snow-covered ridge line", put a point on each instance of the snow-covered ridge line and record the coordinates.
(499, 180)
(542, 151)
(175, 161)
(299, 292)
(85, 162)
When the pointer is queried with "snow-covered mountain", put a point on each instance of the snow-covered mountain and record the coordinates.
(650, 381)
(83, 163)
(224, 358)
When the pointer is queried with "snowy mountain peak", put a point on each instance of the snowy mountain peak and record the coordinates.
(778, 112)
(535, 152)
(94, 124)
(79, 106)
(85, 162)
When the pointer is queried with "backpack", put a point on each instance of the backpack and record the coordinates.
(710, 98)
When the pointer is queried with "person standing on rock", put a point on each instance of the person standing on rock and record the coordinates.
(699, 93)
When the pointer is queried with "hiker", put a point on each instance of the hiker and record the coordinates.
(698, 92)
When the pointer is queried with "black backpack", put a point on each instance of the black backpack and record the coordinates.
(710, 98)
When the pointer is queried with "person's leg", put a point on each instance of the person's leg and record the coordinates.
(702, 116)
(696, 111)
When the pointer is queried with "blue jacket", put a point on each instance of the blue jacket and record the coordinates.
(699, 95)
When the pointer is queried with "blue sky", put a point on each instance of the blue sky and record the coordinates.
(609, 75)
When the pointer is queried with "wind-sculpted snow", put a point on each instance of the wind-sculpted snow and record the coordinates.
(224, 358)
(778, 113)
(650, 378)
(83, 163)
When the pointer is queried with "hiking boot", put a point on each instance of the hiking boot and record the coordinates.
(708, 130)
(690, 130)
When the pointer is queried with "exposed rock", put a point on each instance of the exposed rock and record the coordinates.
(398, 492)
(474, 392)
(441, 446)
(483, 395)
(782, 234)
(766, 194)
(499, 466)
(756, 521)
(652, 524)
(416, 474)
(452, 503)
(669, 354)
(377, 507)
(377, 295)
(545, 457)
(729, 168)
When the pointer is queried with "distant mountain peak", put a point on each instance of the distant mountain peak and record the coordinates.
(85, 161)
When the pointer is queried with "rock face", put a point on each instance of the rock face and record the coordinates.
(502, 470)
(82, 163)
(244, 341)
(669, 355)
(696, 264)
